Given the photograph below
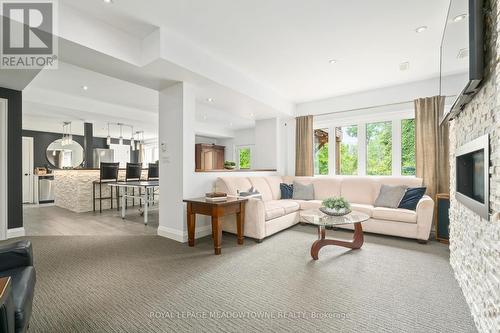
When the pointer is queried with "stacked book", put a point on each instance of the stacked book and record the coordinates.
(216, 196)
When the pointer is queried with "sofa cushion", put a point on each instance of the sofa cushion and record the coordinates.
(286, 191)
(366, 209)
(361, 190)
(274, 184)
(309, 204)
(395, 214)
(262, 186)
(303, 191)
(390, 196)
(327, 187)
(412, 197)
(278, 208)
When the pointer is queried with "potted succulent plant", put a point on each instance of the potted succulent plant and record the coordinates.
(229, 165)
(336, 206)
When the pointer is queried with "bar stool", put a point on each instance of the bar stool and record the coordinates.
(153, 171)
(153, 174)
(108, 174)
(133, 173)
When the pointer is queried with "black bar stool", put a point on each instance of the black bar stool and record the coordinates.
(132, 174)
(108, 174)
(153, 171)
(153, 174)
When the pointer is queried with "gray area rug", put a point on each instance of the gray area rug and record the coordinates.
(152, 284)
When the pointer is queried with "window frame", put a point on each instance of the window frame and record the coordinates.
(361, 119)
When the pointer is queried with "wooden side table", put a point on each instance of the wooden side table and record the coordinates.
(215, 209)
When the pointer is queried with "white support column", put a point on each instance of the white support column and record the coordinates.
(396, 147)
(361, 149)
(3, 169)
(176, 141)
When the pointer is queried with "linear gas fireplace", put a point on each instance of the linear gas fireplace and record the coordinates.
(472, 175)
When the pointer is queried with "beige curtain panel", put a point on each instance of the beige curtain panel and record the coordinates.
(304, 164)
(432, 145)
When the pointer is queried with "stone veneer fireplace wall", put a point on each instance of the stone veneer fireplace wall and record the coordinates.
(474, 241)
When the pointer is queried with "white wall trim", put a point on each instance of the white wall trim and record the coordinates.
(182, 237)
(3, 169)
(16, 232)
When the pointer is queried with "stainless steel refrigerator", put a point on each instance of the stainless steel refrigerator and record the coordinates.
(103, 155)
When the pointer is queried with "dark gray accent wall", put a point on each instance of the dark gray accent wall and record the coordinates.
(15, 158)
(41, 140)
(88, 147)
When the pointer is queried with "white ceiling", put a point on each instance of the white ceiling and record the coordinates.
(56, 96)
(286, 44)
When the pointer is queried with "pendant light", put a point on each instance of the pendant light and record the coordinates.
(108, 138)
(132, 143)
(121, 134)
(70, 136)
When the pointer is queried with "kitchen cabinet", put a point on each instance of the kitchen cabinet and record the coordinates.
(209, 157)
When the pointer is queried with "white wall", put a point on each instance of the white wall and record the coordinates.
(266, 143)
(205, 139)
(390, 98)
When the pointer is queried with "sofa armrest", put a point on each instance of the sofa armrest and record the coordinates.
(255, 218)
(425, 215)
(13, 255)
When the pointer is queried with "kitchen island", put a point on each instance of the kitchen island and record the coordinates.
(73, 189)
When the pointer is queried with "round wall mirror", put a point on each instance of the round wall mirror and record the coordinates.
(67, 156)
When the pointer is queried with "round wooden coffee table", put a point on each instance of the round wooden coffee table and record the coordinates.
(318, 218)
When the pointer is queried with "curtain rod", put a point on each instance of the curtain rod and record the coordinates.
(371, 107)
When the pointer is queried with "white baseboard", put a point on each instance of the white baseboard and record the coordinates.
(181, 236)
(16, 232)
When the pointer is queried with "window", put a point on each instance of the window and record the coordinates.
(321, 151)
(244, 157)
(408, 147)
(346, 161)
(379, 148)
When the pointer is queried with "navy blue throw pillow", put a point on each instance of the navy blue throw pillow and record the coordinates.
(412, 197)
(286, 191)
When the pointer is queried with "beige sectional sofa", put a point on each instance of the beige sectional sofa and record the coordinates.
(272, 214)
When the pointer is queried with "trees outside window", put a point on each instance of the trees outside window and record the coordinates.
(379, 148)
(408, 165)
(347, 150)
(244, 158)
(321, 138)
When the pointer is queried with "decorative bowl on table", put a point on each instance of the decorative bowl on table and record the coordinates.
(334, 212)
(337, 206)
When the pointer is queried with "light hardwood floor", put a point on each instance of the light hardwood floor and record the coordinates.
(56, 221)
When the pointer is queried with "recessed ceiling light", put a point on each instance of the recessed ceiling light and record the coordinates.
(421, 29)
(210, 100)
(404, 66)
(251, 115)
(332, 61)
(459, 18)
(107, 1)
(85, 88)
(205, 117)
(231, 124)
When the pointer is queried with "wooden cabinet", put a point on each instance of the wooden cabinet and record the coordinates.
(209, 157)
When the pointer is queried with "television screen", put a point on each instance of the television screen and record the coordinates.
(461, 55)
(470, 175)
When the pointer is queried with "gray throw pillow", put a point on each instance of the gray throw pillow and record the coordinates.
(390, 196)
(303, 192)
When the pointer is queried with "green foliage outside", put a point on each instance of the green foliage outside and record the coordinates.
(245, 158)
(349, 153)
(379, 148)
(321, 160)
(408, 147)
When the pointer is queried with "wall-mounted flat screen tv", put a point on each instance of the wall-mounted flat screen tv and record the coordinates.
(461, 55)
